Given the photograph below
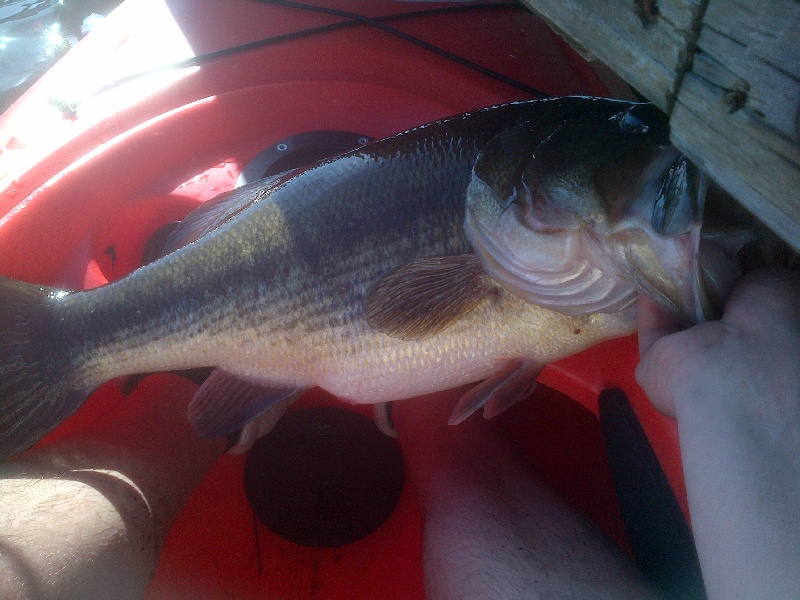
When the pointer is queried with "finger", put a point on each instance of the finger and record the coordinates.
(649, 375)
(658, 347)
(765, 296)
(653, 324)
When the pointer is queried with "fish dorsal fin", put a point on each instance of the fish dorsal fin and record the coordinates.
(514, 382)
(213, 213)
(226, 403)
(502, 162)
(423, 297)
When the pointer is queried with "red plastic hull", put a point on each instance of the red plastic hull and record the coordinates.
(145, 151)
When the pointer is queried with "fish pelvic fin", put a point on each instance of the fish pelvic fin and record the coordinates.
(39, 386)
(512, 383)
(382, 413)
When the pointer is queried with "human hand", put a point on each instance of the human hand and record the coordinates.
(734, 387)
(752, 350)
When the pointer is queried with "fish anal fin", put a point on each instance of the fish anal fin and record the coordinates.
(514, 382)
(226, 403)
(423, 297)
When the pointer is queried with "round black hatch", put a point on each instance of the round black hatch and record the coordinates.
(324, 477)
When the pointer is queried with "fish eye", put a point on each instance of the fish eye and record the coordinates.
(632, 124)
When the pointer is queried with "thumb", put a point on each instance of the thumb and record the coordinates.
(662, 347)
(653, 324)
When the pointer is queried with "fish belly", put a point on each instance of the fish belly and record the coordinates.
(365, 367)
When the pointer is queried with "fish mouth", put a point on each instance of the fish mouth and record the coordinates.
(667, 269)
(645, 237)
(659, 247)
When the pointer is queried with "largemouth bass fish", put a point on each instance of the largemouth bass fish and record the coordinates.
(477, 248)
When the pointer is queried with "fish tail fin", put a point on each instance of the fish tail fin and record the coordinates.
(36, 376)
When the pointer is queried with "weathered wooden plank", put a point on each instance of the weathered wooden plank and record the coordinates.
(645, 42)
(727, 71)
(736, 113)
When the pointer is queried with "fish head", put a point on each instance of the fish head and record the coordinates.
(581, 210)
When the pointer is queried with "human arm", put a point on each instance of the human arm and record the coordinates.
(493, 529)
(734, 387)
(86, 516)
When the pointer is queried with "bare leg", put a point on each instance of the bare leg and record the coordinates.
(492, 529)
(86, 517)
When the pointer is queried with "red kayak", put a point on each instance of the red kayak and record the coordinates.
(171, 102)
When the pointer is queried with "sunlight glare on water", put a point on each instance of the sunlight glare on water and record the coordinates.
(136, 67)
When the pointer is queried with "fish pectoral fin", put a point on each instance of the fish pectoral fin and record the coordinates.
(226, 403)
(423, 297)
(515, 381)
